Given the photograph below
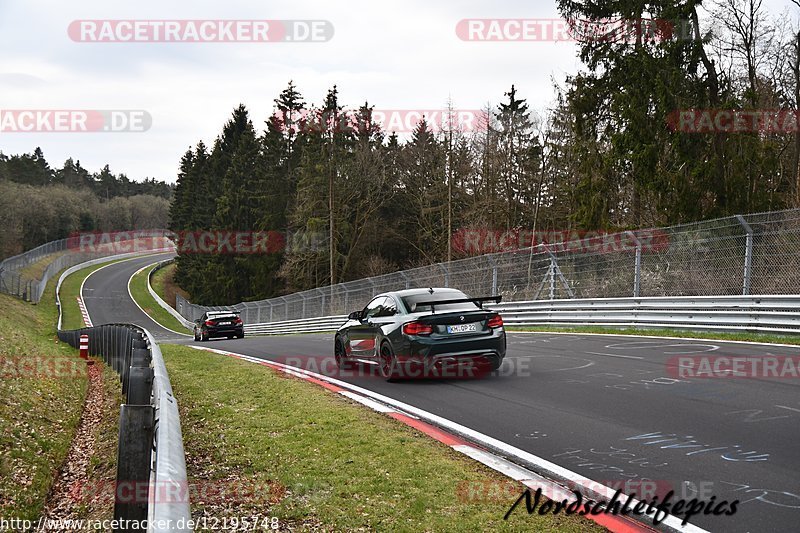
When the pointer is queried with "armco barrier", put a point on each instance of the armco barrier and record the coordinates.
(768, 314)
(150, 451)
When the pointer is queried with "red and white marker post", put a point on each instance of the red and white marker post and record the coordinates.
(84, 346)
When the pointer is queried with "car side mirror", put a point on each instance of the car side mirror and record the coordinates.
(355, 315)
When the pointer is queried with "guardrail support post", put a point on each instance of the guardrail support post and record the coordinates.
(140, 385)
(136, 424)
(748, 255)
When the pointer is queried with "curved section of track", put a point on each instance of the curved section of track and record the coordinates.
(607, 407)
(105, 293)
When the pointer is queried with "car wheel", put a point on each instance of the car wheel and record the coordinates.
(196, 338)
(387, 362)
(340, 356)
(203, 335)
(241, 335)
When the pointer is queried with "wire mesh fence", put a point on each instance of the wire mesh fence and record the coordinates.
(26, 275)
(751, 254)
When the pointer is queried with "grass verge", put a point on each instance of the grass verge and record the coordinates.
(163, 282)
(39, 410)
(43, 386)
(36, 270)
(712, 335)
(142, 296)
(317, 461)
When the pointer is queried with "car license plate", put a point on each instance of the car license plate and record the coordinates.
(462, 328)
(224, 323)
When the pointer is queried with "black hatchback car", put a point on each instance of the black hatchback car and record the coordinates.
(218, 324)
(423, 333)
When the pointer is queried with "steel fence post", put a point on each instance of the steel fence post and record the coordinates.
(748, 255)
(637, 273)
(446, 274)
(494, 273)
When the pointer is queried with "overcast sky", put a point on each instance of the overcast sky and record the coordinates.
(396, 55)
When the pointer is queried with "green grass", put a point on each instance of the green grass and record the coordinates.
(146, 301)
(36, 270)
(38, 413)
(325, 463)
(159, 280)
(723, 336)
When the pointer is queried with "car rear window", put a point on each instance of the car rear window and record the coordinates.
(412, 301)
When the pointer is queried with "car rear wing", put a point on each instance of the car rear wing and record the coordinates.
(476, 301)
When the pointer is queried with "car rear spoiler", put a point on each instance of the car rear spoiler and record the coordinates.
(476, 301)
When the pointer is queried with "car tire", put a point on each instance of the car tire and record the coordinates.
(387, 362)
(340, 356)
(196, 338)
(240, 335)
(204, 336)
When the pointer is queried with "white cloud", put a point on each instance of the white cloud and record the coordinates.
(401, 55)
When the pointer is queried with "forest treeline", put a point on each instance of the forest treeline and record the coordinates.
(39, 204)
(605, 156)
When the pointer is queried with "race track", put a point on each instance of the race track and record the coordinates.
(603, 406)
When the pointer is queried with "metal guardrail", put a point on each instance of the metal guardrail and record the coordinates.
(156, 457)
(766, 313)
(325, 323)
(65, 253)
(150, 453)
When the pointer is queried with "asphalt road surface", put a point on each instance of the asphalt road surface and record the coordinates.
(107, 300)
(608, 407)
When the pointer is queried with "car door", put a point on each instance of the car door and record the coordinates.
(361, 335)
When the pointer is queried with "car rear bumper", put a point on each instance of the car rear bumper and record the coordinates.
(225, 331)
(439, 350)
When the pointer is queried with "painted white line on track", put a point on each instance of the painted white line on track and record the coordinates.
(615, 355)
(372, 404)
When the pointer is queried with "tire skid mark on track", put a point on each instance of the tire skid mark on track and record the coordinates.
(437, 427)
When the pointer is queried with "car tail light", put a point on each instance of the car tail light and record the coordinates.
(237, 321)
(417, 328)
(495, 322)
(209, 322)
